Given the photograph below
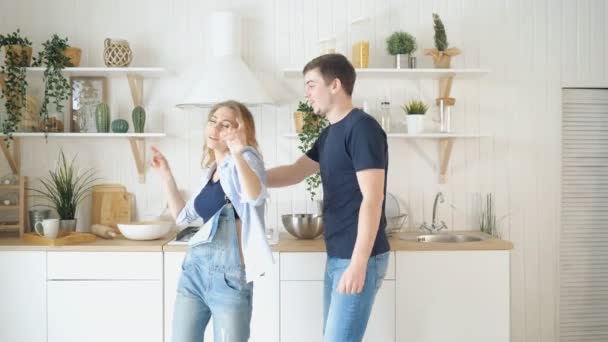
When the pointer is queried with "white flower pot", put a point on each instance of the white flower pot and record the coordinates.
(415, 123)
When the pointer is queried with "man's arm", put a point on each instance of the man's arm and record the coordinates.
(286, 175)
(371, 183)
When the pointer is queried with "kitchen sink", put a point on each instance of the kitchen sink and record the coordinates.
(443, 238)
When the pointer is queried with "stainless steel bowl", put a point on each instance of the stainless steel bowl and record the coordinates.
(303, 226)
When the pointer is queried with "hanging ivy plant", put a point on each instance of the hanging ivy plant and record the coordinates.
(313, 125)
(14, 82)
(56, 86)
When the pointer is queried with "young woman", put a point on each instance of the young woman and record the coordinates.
(230, 249)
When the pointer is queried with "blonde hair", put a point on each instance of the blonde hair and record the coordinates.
(241, 112)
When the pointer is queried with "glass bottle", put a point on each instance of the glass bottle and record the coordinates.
(385, 112)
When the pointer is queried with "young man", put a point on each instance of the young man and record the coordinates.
(352, 155)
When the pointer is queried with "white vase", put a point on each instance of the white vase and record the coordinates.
(415, 123)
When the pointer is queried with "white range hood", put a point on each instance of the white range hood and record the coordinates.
(225, 75)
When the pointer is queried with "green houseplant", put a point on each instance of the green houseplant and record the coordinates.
(56, 86)
(65, 188)
(13, 79)
(415, 111)
(401, 44)
(311, 129)
(442, 55)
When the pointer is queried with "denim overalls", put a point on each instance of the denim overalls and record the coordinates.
(213, 283)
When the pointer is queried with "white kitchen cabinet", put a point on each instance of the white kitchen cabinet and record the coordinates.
(105, 296)
(301, 319)
(457, 296)
(23, 296)
(301, 311)
(265, 315)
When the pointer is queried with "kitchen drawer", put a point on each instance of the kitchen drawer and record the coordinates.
(311, 266)
(104, 265)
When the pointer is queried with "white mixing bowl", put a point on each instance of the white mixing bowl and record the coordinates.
(146, 230)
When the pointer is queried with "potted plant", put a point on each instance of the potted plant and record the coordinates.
(55, 56)
(311, 129)
(401, 44)
(18, 49)
(415, 111)
(13, 79)
(302, 111)
(65, 188)
(442, 55)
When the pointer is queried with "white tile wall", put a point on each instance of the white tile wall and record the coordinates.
(530, 46)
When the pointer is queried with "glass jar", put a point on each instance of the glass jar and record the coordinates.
(360, 33)
(327, 46)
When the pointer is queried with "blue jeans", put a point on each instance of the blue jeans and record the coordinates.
(346, 315)
(212, 283)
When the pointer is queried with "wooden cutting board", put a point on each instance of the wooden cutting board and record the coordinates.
(62, 240)
(111, 205)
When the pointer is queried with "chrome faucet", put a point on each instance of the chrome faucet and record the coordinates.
(434, 227)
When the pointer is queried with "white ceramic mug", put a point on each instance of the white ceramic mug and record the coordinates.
(48, 228)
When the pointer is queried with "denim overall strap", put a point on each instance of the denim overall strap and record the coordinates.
(226, 239)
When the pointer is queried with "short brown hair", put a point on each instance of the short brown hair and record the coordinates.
(240, 111)
(332, 66)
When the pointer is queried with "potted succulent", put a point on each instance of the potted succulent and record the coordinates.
(55, 56)
(65, 188)
(401, 44)
(442, 55)
(311, 129)
(415, 111)
(13, 79)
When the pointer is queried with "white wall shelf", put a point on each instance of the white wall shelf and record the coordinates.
(87, 135)
(135, 76)
(104, 71)
(136, 140)
(446, 142)
(427, 73)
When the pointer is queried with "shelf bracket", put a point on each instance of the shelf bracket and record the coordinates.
(136, 84)
(138, 148)
(13, 159)
(445, 86)
(445, 151)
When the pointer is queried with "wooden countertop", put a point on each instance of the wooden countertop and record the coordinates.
(119, 244)
(286, 243)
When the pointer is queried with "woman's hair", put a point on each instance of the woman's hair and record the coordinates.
(240, 111)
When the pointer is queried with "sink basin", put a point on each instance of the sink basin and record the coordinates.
(449, 238)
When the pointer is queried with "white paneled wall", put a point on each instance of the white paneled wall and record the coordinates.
(530, 46)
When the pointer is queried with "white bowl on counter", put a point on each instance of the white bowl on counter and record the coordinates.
(145, 230)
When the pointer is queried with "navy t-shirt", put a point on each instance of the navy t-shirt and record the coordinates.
(355, 143)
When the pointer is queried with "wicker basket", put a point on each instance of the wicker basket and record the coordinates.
(22, 55)
(117, 53)
(298, 120)
(73, 54)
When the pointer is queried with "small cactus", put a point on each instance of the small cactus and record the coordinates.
(120, 126)
(102, 118)
(139, 119)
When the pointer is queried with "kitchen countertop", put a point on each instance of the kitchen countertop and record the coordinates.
(286, 243)
(119, 244)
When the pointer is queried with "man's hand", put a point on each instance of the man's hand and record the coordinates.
(353, 278)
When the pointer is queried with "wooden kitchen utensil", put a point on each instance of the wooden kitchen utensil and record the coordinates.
(111, 205)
